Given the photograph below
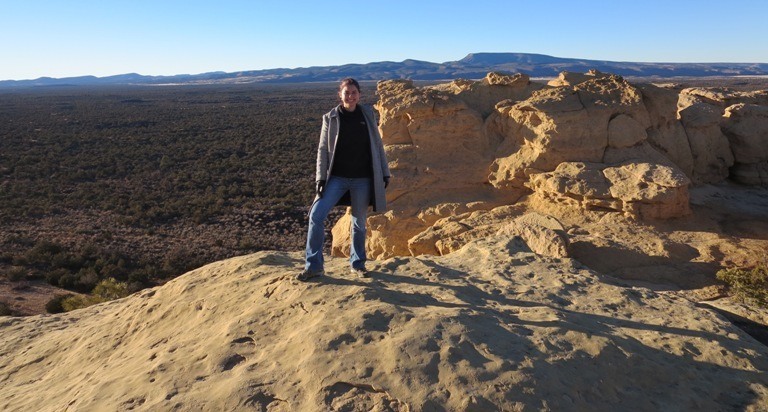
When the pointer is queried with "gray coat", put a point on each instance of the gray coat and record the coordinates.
(329, 134)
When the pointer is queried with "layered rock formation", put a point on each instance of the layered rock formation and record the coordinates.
(583, 142)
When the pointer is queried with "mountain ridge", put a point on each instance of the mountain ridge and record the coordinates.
(473, 65)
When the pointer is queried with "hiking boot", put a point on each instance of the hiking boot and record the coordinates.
(360, 272)
(309, 274)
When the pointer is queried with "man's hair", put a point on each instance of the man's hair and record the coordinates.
(347, 81)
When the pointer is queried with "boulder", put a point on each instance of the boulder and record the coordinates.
(636, 189)
(649, 190)
(543, 234)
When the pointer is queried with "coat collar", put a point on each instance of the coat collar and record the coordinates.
(335, 111)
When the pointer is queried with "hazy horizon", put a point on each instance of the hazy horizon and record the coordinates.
(57, 39)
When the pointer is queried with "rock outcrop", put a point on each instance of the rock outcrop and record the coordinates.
(583, 142)
(748, 137)
(492, 326)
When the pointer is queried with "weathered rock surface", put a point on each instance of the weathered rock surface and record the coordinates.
(639, 189)
(492, 326)
(712, 155)
(744, 126)
(573, 78)
(544, 235)
(589, 141)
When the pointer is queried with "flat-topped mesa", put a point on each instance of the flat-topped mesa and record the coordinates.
(592, 142)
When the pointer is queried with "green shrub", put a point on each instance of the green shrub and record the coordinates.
(105, 290)
(748, 286)
(55, 304)
(16, 273)
(110, 289)
(79, 301)
(5, 310)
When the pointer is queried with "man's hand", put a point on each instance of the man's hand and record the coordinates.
(320, 186)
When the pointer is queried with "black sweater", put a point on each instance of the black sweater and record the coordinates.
(352, 158)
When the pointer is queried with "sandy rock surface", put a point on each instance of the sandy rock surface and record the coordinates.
(491, 326)
(584, 142)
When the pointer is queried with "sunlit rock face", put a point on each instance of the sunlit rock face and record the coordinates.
(590, 141)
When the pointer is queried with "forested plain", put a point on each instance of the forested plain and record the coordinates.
(141, 184)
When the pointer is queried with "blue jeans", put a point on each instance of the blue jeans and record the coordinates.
(360, 194)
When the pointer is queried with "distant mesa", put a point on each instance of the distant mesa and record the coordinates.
(473, 66)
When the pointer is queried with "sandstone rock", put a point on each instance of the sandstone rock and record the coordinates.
(571, 79)
(746, 126)
(624, 131)
(714, 95)
(445, 237)
(606, 97)
(483, 95)
(501, 79)
(639, 189)
(544, 235)
(490, 327)
(397, 232)
(440, 135)
(388, 234)
(727, 97)
(540, 133)
(454, 231)
(562, 125)
(430, 215)
(578, 180)
(755, 174)
(650, 190)
(593, 143)
(666, 133)
(710, 149)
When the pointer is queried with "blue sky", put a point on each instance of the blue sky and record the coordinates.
(64, 38)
